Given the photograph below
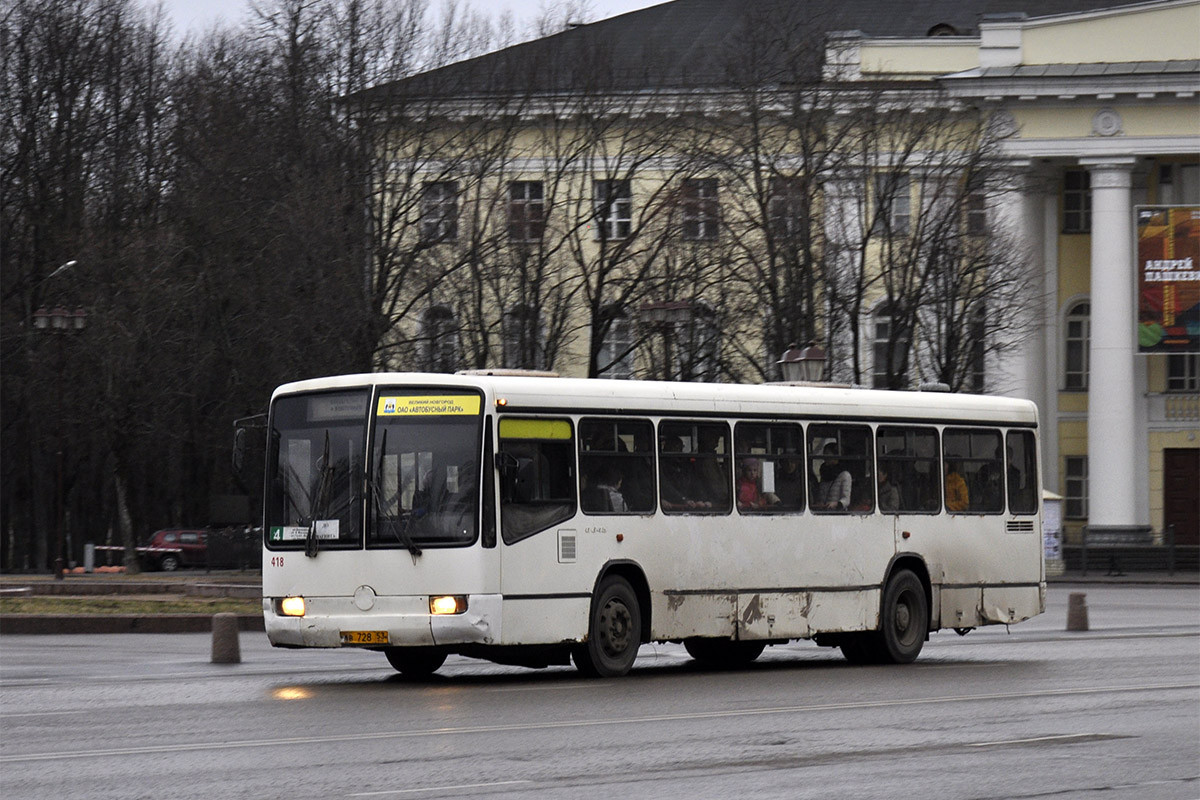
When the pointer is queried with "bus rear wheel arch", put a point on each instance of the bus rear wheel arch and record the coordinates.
(903, 625)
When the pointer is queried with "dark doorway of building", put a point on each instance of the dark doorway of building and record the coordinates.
(1181, 500)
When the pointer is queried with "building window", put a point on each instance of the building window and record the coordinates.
(976, 214)
(1182, 372)
(1178, 184)
(978, 360)
(439, 211)
(1078, 334)
(785, 206)
(1076, 506)
(439, 344)
(701, 214)
(887, 340)
(1077, 201)
(615, 357)
(614, 209)
(699, 353)
(526, 211)
(893, 204)
(523, 334)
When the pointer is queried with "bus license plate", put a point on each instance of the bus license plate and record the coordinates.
(364, 637)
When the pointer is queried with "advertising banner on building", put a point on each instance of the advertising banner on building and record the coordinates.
(1168, 271)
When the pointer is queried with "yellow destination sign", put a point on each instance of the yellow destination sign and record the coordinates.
(431, 405)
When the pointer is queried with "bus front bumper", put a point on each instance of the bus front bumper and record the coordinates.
(329, 621)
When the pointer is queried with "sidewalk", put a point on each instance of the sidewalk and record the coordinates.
(249, 585)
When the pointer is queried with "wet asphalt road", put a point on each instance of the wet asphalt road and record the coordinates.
(1037, 712)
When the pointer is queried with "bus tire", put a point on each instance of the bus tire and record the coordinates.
(415, 662)
(723, 653)
(614, 631)
(903, 619)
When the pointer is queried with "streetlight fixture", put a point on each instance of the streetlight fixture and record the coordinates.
(59, 321)
(805, 365)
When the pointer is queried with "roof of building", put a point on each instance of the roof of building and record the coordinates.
(694, 44)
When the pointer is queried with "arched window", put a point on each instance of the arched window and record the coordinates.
(1078, 330)
(439, 340)
(524, 345)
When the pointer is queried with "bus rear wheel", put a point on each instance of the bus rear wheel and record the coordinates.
(415, 662)
(904, 619)
(614, 631)
(723, 653)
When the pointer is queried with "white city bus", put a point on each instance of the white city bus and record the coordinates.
(535, 520)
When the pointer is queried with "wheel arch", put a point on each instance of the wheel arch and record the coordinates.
(916, 565)
(633, 573)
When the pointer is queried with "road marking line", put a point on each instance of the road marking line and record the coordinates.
(584, 723)
(1056, 738)
(438, 788)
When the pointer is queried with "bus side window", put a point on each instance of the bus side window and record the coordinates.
(908, 475)
(1022, 473)
(840, 475)
(974, 462)
(616, 466)
(770, 468)
(537, 475)
(693, 467)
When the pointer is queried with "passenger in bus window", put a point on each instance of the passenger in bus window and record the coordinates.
(676, 478)
(607, 490)
(789, 482)
(957, 498)
(836, 484)
(713, 468)
(749, 496)
(889, 493)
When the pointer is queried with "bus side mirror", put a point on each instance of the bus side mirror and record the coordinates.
(249, 452)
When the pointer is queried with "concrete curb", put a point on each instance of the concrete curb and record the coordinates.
(31, 624)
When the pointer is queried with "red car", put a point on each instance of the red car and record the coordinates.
(172, 548)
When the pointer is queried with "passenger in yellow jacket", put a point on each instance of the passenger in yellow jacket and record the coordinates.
(956, 489)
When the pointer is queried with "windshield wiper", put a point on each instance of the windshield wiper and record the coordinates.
(401, 533)
(312, 544)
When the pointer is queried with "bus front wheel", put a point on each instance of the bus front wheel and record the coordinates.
(415, 662)
(614, 631)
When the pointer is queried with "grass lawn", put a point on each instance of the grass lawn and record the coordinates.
(108, 604)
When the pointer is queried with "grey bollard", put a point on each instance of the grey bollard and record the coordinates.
(1077, 615)
(225, 649)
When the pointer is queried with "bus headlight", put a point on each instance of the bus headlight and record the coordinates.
(291, 607)
(447, 604)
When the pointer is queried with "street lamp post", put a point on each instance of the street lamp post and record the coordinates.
(59, 321)
(805, 365)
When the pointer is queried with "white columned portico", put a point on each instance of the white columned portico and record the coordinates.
(1020, 368)
(1112, 425)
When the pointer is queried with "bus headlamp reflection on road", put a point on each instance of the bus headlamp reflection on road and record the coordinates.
(447, 604)
(291, 606)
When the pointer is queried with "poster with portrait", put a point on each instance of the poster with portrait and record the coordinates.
(1168, 272)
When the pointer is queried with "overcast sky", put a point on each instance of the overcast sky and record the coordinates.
(193, 16)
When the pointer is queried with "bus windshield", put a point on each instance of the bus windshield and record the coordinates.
(315, 470)
(425, 469)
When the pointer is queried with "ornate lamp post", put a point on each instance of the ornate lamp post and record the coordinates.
(805, 365)
(59, 321)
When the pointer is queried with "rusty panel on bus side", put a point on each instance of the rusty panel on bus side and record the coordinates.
(678, 615)
(774, 615)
